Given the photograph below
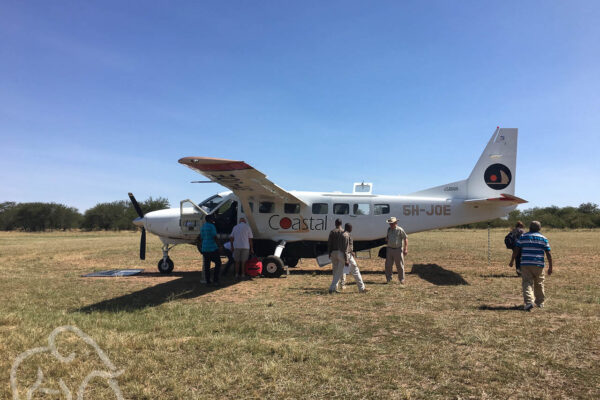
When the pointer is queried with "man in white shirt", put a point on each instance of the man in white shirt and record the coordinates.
(241, 246)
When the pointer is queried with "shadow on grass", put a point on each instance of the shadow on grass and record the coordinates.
(486, 307)
(188, 286)
(327, 271)
(437, 275)
(499, 276)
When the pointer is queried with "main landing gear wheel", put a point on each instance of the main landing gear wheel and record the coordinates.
(165, 267)
(272, 267)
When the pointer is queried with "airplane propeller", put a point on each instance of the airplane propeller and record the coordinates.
(138, 209)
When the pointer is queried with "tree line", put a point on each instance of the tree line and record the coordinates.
(586, 216)
(36, 217)
(118, 215)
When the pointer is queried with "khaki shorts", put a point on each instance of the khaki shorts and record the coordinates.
(241, 255)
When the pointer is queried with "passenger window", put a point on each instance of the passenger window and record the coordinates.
(266, 207)
(380, 209)
(361, 209)
(320, 208)
(340, 208)
(291, 208)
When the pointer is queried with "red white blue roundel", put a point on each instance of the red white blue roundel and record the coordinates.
(497, 176)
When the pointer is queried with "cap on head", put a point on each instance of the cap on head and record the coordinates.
(535, 226)
(392, 220)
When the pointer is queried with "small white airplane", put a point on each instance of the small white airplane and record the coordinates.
(289, 225)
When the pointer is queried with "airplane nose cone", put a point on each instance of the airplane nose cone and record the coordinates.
(139, 221)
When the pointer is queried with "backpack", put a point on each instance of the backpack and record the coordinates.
(253, 267)
(510, 241)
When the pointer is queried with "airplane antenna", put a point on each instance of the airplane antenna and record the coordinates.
(489, 242)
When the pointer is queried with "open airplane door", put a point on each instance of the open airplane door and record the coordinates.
(191, 218)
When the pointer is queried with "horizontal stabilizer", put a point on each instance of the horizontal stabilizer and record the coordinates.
(503, 200)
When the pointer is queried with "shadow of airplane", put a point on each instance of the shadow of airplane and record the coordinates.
(437, 275)
(188, 286)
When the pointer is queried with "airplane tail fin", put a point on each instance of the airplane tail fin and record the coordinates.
(494, 173)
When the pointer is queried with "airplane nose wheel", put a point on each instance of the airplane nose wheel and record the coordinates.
(165, 266)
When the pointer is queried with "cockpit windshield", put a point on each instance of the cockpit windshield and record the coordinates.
(211, 203)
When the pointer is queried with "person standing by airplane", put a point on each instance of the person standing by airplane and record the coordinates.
(397, 248)
(531, 248)
(241, 245)
(210, 250)
(337, 247)
(514, 235)
(352, 263)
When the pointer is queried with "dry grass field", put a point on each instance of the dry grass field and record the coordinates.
(454, 331)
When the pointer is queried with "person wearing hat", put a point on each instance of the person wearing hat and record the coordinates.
(397, 248)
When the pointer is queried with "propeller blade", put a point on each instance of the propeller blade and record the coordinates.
(143, 245)
(137, 207)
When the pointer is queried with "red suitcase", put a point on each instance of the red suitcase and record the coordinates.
(253, 267)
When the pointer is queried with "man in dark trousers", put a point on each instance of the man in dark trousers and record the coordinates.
(516, 234)
(337, 247)
(210, 250)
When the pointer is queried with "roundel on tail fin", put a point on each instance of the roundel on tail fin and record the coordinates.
(497, 176)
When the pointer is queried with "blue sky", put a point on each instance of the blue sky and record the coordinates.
(101, 98)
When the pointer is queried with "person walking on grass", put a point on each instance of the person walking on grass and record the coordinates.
(514, 235)
(241, 245)
(397, 248)
(353, 266)
(210, 250)
(337, 247)
(531, 248)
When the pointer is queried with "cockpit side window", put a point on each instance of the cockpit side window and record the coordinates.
(211, 203)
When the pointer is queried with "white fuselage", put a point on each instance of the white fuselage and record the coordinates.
(313, 221)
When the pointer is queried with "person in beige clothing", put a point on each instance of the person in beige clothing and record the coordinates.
(397, 248)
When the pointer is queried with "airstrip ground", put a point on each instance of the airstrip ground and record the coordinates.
(454, 331)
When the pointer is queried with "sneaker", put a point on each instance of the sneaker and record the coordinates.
(528, 307)
(540, 305)
(365, 290)
(388, 282)
(334, 291)
(402, 281)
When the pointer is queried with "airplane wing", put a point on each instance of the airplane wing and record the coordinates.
(503, 200)
(239, 177)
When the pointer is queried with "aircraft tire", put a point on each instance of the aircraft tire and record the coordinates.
(165, 269)
(272, 267)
